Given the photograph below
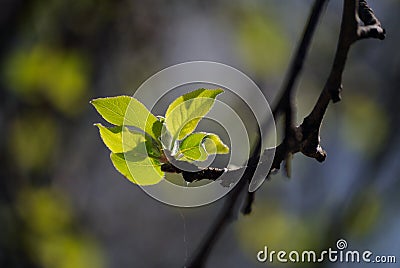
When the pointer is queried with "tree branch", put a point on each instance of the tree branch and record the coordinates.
(286, 104)
(306, 137)
(226, 214)
(372, 27)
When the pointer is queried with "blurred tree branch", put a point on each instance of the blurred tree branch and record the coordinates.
(304, 138)
(284, 105)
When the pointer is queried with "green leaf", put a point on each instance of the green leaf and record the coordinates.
(214, 145)
(122, 110)
(147, 171)
(192, 147)
(197, 146)
(119, 163)
(185, 112)
(112, 137)
(120, 139)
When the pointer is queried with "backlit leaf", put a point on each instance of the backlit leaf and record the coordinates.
(145, 171)
(192, 147)
(185, 112)
(120, 139)
(214, 145)
(129, 111)
(137, 155)
(119, 163)
(197, 146)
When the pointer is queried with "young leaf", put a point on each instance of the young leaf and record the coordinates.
(197, 146)
(192, 147)
(144, 172)
(124, 109)
(185, 112)
(119, 163)
(120, 139)
(112, 138)
(214, 145)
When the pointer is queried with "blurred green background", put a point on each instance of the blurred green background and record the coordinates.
(62, 204)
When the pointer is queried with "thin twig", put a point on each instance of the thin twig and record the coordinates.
(226, 214)
(308, 133)
(285, 103)
(306, 137)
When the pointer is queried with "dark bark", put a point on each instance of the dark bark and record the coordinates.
(306, 137)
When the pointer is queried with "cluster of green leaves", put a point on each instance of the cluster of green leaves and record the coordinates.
(140, 142)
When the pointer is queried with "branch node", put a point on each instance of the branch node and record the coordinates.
(372, 27)
(318, 153)
(335, 94)
(371, 31)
